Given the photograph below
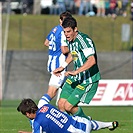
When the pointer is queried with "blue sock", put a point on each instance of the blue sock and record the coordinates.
(45, 99)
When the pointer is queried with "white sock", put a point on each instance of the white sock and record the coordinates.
(99, 125)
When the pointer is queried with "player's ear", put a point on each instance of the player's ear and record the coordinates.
(60, 22)
(75, 29)
(27, 114)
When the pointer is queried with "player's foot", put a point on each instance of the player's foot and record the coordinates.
(114, 125)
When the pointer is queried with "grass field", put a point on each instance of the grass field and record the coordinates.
(12, 121)
(29, 32)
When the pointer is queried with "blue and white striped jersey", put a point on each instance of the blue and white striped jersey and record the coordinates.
(50, 120)
(56, 39)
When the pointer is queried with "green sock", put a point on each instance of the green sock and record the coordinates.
(81, 113)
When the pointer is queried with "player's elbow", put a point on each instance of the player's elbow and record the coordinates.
(65, 50)
(92, 60)
(46, 43)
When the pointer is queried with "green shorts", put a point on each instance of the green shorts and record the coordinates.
(76, 92)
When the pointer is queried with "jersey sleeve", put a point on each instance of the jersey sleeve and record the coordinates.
(63, 39)
(88, 49)
(45, 99)
(36, 128)
(48, 36)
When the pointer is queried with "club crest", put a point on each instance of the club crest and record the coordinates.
(44, 109)
(74, 55)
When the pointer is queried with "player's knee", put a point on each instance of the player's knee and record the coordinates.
(61, 104)
(68, 107)
(52, 91)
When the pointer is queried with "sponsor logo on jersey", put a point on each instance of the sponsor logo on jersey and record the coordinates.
(44, 109)
(55, 29)
(74, 55)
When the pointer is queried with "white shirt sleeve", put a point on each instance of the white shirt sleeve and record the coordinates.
(42, 101)
(88, 51)
(63, 39)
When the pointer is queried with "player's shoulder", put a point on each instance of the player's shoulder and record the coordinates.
(82, 35)
(57, 29)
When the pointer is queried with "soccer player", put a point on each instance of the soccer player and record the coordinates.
(56, 42)
(48, 119)
(82, 83)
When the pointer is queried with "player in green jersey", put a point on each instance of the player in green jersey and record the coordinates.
(82, 83)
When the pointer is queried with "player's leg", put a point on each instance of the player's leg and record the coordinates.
(65, 93)
(82, 123)
(75, 110)
(79, 112)
(54, 83)
(97, 125)
(61, 103)
(81, 94)
(73, 92)
(91, 90)
(52, 90)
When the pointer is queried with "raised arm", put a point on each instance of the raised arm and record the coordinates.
(64, 65)
(88, 64)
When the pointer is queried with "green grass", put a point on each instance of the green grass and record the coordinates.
(29, 32)
(12, 121)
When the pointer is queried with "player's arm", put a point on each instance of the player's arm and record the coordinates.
(69, 59)
(24, 132)
(58, 71)
(88, 64)
(89, 54)
(37, 128)
(46, 42)
(64, 50)
(64, 46)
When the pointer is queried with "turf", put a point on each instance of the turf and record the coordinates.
(12, 121)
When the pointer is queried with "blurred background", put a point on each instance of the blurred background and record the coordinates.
(24, 25)
(80, 7)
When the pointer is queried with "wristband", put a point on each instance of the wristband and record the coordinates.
(64, 65)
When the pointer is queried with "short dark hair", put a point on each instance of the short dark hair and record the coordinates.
(27, 105)
(69, 22)
(64, 15)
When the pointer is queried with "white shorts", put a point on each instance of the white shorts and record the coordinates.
(80, 121)
(57, 81)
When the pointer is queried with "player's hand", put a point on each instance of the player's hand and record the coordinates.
(24, 132)
(73, 73)
(58, 71)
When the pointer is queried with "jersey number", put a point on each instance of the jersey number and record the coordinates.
(58, 114)
(52, 45)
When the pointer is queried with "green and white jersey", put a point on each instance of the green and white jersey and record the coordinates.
(81, 48)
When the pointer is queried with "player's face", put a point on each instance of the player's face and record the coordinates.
(30, 115)
(70, 33)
